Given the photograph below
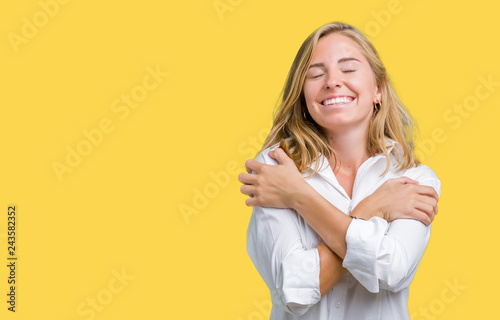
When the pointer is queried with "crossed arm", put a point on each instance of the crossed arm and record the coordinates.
(282, 186)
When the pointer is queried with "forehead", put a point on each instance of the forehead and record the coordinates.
(335, 46)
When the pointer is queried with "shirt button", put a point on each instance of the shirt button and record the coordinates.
(338, 304)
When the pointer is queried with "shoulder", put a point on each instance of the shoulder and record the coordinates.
(425, 176)
(264, 157)
(421, 172)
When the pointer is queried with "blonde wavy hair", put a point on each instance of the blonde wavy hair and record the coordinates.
(303, 139)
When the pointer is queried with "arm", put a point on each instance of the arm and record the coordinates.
(283, 186)
(398, 198)
(386, 255)
(296, 277)
(395, 199)
(331, 269)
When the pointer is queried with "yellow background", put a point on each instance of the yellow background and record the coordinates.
(119, 209)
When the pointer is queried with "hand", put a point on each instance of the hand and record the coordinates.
(400, 198)
(273, 185)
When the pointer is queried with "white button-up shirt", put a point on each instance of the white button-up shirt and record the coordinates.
(381, 259)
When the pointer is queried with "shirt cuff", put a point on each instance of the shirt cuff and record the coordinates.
(363, 239)
(301, 280)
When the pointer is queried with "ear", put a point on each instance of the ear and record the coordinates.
(378, 94)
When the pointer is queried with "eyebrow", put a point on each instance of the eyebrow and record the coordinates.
(321, 64)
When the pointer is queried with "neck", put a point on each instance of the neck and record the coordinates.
(351, 149)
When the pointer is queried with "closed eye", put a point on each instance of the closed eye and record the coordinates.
(348, 71)
(317, 76)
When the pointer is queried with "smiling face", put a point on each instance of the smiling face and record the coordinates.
(340, 87)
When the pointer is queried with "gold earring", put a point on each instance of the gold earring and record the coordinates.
(376, 106)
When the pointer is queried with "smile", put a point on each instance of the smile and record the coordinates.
(337, 101)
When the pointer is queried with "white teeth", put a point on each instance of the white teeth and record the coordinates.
(339, 100)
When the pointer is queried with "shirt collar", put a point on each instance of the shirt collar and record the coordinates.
(393, 147)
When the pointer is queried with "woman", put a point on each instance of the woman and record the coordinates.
(340, 225)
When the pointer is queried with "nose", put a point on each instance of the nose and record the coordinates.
(333, 80)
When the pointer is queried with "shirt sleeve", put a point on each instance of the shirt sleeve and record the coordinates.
(386, 255)
(275, 246)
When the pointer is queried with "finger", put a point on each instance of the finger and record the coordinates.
(423, 217)
(247, 178)
(426, 208)
(428, 211)
(271, 154)
(430, 201)
(431, 217)
(253, 165)
(428, 191)
(427, 219)
(434, 210)
(250, 202)
(248, 190)
(282, 157)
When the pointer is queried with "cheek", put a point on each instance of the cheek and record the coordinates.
(366, 85)
(362, 90)
(311, 91)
